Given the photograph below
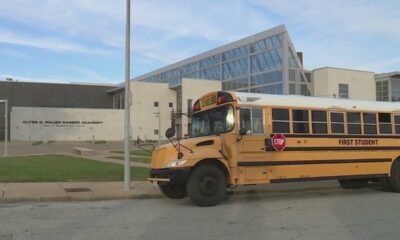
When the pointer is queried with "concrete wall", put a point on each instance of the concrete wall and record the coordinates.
(194, 89)
(66, 124)
(30, 94)
(361, 83)
(143, 118)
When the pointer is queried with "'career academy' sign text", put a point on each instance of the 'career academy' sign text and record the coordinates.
(52, 123)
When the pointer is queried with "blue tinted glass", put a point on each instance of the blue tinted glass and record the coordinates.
(210, 61)
(234, 69)
(264, 61)
(235, 53)
(211, 73)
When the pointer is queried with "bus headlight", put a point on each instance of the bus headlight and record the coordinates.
(176, 163)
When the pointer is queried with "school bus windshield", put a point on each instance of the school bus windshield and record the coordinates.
(211, 122)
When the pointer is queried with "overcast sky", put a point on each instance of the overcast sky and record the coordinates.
(83, 40)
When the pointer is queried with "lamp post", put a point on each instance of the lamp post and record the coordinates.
(127, 128)
(6, 126)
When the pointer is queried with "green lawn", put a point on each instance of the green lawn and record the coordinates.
(137, 152)
(133, 159)
(60, 168)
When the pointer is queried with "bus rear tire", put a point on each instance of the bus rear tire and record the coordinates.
(206, 186)
(173, 191)
(394, 179)
(353, 183)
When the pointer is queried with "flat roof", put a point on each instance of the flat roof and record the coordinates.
(315, 102)
(389, 74)
(72, 83)
(344, 69)
(247, 40)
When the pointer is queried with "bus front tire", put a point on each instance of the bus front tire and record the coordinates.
(353, 183)
(173, 191)
(394, 179)
(206, 186)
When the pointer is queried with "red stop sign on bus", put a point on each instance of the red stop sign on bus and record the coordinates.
(278, 142)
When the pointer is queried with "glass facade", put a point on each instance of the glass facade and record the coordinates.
(262, 65)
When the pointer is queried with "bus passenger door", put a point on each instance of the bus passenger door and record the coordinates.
(251, 147)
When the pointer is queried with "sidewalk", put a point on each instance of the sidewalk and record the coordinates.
(75, 191)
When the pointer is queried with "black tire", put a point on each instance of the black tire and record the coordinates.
(206, 186)
(386, 185)
(394, 179)
(353, 183)
(173, 191)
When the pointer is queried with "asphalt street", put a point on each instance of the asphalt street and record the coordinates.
(326, 213)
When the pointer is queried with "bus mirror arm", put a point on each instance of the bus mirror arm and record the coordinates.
(242, 132)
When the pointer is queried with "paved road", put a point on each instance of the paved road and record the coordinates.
(328, 213)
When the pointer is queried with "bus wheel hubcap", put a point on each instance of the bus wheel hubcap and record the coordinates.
(208, 185)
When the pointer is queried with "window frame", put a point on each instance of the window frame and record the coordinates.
(282, 121)
(370, 124)
(251, 120)
(391, 123)
(343, 123)
(319, 122)
(303, 122)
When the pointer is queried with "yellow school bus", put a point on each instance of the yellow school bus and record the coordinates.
(245, 138)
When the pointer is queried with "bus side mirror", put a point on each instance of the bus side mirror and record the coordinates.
(170, 133)
(243, 131)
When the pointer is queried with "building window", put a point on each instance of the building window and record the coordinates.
(385, 123)
(337, 122)
(343, 90)
(319, 123)
(353, 123)
(369, 123)
(171, 104)
(382, 91)
(155, 104)
(300, 121)
(280, 121)
(156, 131)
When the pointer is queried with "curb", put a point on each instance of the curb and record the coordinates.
(156, 195)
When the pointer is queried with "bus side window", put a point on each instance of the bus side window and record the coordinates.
(300, 121)
(369, 123)
(385, 123)
(353, 123)
(337, 122)
(280, 121)
(257, 118)
(252, 120)
(397, 124)
(245, 119)
(319, 123)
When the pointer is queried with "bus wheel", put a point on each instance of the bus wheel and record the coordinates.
(173, 191)
(386, 184)
(394, 179)
(353, 183)
(206, 185)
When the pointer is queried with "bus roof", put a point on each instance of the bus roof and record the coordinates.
(314, 102)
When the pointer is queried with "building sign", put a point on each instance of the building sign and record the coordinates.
(66, 124)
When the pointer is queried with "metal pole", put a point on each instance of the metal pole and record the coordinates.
(127, 162)
(6, 126)
(159, 128)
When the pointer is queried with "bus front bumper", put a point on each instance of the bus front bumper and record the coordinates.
(169, 176)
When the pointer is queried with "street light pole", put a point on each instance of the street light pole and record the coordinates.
(6, 126)
(127, 162)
